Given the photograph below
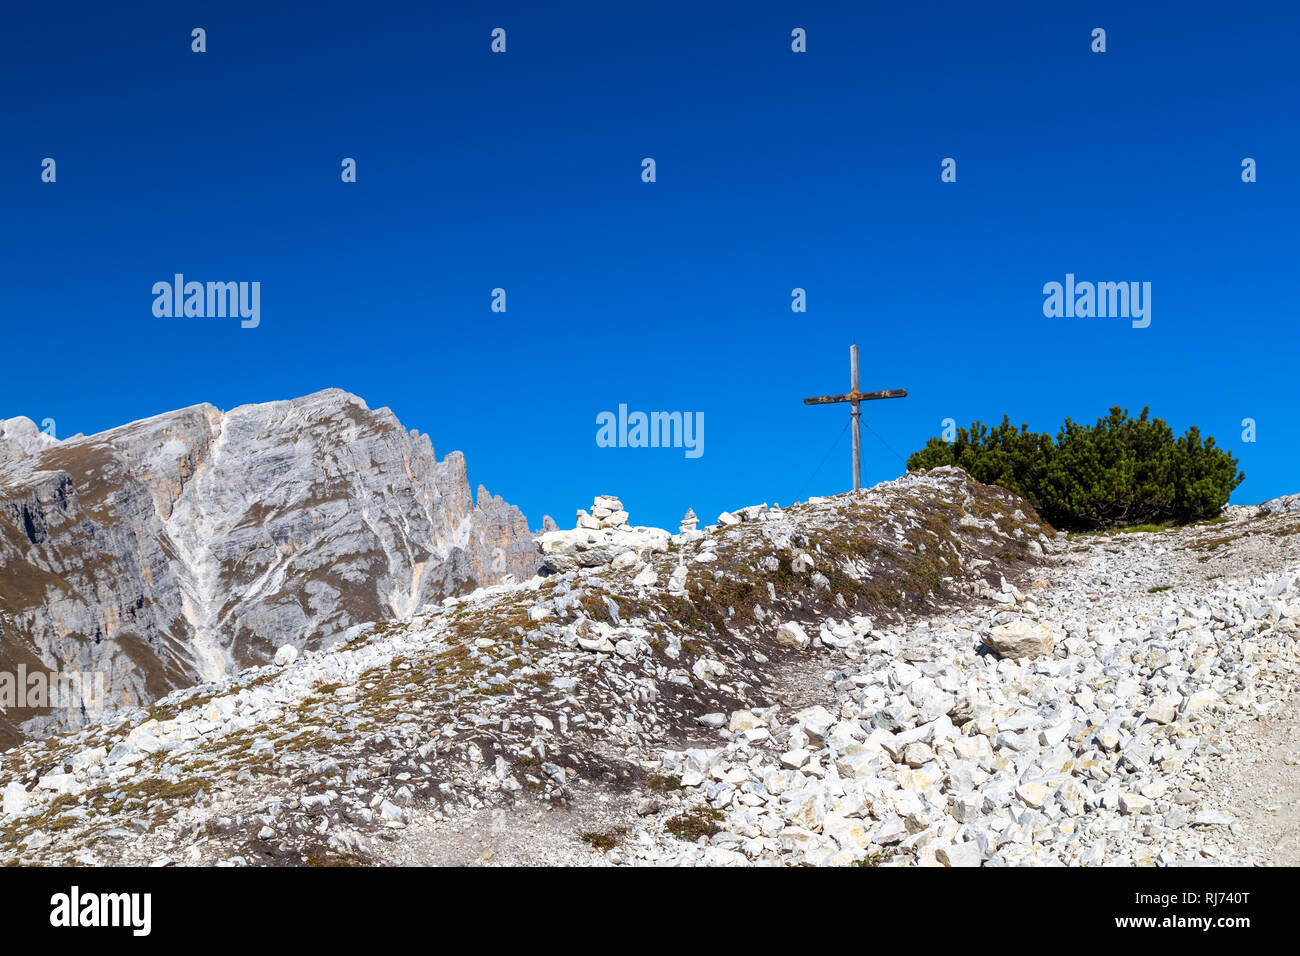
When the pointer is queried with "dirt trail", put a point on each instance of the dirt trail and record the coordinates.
(1260, 782)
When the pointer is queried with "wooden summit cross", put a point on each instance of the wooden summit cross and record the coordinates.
(855, 397)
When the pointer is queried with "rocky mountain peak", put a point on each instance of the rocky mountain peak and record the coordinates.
(20, 436)
(180, 547)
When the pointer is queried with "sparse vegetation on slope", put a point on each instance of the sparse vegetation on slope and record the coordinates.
(538, 691)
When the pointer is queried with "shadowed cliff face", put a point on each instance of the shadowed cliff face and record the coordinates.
(173, 550)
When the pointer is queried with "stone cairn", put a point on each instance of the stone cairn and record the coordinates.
(606, 512)
(601, 537)
(689, 522)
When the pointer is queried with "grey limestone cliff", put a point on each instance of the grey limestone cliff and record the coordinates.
(176, 549)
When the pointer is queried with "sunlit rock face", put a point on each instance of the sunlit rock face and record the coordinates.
(175, 549)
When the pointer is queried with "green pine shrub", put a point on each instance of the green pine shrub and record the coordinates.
(1122, 471)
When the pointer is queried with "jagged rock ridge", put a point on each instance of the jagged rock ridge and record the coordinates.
(185, 546)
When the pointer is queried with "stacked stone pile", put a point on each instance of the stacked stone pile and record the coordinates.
(600, 537)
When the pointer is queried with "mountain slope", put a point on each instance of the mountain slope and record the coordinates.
(916, 673)
(545, 690)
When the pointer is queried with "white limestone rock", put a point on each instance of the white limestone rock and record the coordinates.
(16, 798)
(791, 634)
(1020, 639)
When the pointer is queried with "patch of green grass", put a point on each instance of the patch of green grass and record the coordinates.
(693, 824)
(1127, 529)
(594, 606)
(1213, 544)
(156, 788)
(604, 841)
(529, 766)
(875, 859)
(662, 783)
(325, 858)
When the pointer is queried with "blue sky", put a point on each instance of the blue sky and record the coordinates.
(775, 170)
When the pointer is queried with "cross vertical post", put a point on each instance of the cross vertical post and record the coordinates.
(855, 398)
(857, 418)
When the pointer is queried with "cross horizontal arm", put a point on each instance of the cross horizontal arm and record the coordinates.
(856, 397)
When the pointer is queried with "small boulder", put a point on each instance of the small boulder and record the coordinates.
(791, 634)
(16, 798)
(1020, 639)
